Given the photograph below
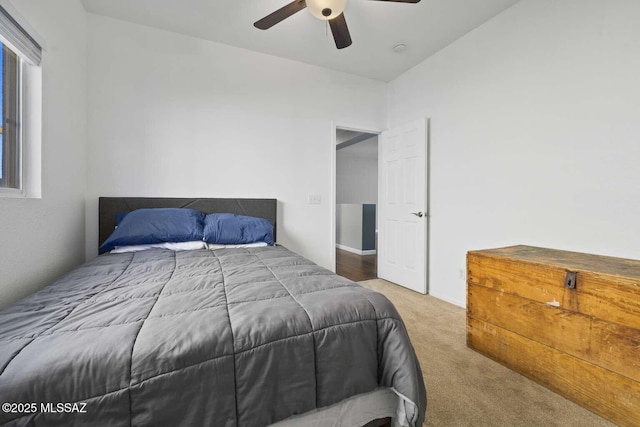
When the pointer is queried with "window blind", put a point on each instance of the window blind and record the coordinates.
(19, 39)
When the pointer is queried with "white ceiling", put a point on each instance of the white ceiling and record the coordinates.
(375, 27)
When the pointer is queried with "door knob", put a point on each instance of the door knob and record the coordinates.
(418, 214)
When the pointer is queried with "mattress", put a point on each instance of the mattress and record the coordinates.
(230, 337)
(356, 410)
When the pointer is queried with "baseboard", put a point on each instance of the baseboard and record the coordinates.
(356, 251)
(445, 298)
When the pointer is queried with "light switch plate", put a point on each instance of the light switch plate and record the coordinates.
(315, 199)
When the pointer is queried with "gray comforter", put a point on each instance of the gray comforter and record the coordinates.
(233, 337)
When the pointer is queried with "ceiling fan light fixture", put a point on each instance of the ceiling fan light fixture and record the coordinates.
(326, 9)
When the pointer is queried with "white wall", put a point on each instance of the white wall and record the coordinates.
(357, 173)
(349, 225)
(175, 116)
(43, 238)
(534, 133)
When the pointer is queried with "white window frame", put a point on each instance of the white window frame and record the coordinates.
(30, 131)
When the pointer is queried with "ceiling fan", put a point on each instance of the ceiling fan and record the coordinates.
(327, 10)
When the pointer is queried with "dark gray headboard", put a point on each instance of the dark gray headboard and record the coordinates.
(108, 207)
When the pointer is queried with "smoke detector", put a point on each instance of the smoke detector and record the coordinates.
(399, 48)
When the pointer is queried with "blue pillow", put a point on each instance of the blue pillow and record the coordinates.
(147, 226)
(232, 229)
(120, 216)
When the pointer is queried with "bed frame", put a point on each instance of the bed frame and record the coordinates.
(108, 207)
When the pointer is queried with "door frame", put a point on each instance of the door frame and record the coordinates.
(357, 127)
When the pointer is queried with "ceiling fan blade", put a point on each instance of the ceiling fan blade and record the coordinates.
(280, 15)
(340, 31)
(402, 1)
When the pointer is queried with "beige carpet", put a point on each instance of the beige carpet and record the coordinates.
(465, 388)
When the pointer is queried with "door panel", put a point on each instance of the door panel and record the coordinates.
(402, 236)
(392, 243)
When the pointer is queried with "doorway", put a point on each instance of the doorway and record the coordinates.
(402, 204)
(356, 200)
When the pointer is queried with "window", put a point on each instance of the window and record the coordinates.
(10, 143)
(18, 51)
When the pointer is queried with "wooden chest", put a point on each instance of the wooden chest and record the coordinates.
(576, 334)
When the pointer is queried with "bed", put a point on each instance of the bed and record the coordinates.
(227, 337)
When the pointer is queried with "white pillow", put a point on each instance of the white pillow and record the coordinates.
(179, 246)
(246, 245)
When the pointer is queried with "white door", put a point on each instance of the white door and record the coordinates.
(402, 206)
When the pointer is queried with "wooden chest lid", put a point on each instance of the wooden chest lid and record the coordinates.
(574, 261)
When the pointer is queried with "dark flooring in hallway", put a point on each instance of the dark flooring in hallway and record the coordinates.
(356, 267)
